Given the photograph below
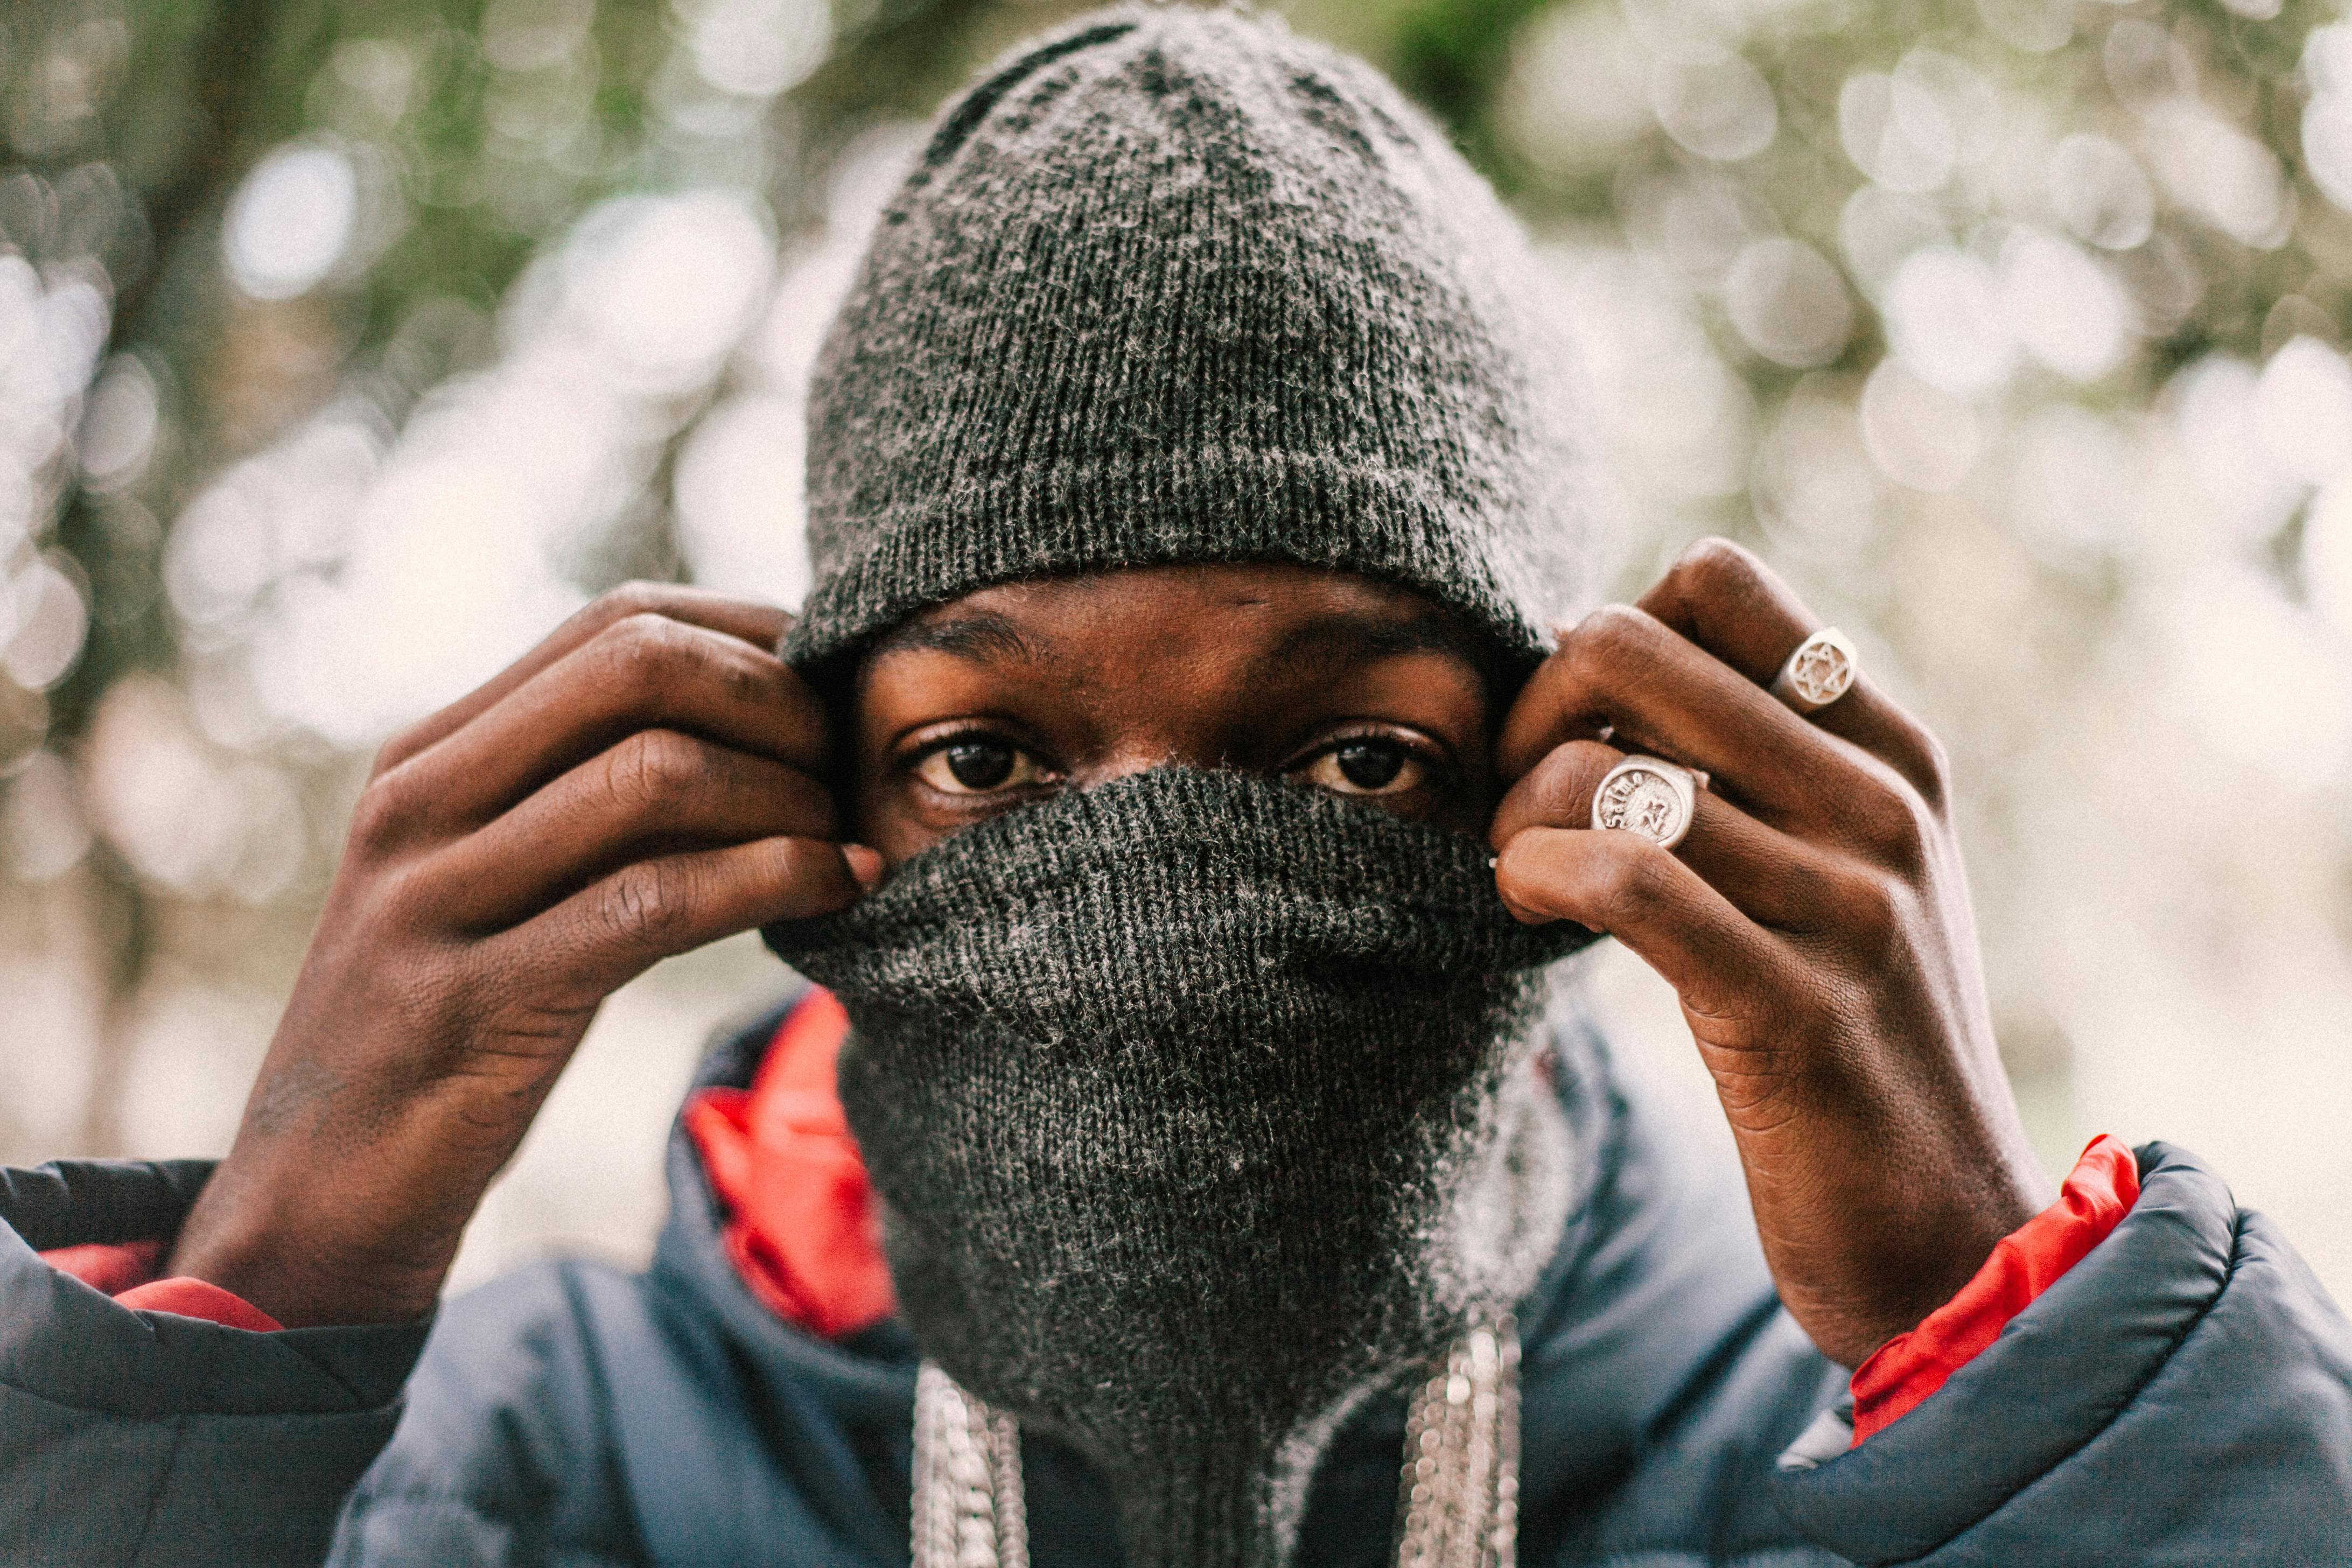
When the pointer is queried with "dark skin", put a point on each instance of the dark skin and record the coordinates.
(652, 778)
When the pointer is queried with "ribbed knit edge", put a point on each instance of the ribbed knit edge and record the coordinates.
(1229, 506)
(1213, 1511)
(1242, 823)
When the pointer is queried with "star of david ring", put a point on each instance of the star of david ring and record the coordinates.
(1821, 671)
(1648, 795)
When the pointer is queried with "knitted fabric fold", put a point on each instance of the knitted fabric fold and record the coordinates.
(1202, 1107)
(1174, 285)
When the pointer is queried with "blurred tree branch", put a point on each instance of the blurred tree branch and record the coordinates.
(227, 79)
(224, 70)
(1559, 101)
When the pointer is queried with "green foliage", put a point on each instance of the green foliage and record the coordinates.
(480, 134)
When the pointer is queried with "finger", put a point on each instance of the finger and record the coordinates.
(622, 924)
(644, 672)
(1663, 693)
(1727, 602)
(764, 626)
(657, 792)
(1776, 879)
(1722, 964)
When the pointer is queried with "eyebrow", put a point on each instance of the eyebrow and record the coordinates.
(983, 637)
(1331, 642)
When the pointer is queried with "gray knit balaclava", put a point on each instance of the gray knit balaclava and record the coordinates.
(1201, 1105)
(1176, 285)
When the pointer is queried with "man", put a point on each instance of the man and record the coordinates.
(1175, 785)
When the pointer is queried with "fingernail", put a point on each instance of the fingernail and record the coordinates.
(865, 864)
(1494, 863)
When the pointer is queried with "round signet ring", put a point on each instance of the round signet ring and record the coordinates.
(1648, 795)
(1821, 671)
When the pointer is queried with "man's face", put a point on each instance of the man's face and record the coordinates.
(1015, 692)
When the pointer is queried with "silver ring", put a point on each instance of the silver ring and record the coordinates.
(1821, 671)
(1648, 795)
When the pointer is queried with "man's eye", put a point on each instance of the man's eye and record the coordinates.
(1368, 766)
(977, 767)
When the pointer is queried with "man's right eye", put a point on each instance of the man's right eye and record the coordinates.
(978, 765)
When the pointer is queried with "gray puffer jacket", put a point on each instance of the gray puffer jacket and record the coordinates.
(2183, 1396)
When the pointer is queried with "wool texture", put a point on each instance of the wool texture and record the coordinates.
(1173, 286)
(1202, 1105)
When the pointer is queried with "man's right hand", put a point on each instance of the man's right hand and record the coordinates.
(646, 781)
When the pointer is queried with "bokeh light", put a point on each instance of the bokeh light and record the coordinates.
(1946, 321)
(1787, 302)
(290, 221)
(2100, 192)
(2067, 309)
(334, 373)
(1720, 109)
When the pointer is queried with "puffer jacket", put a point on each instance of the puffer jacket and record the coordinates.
(2182, 1396)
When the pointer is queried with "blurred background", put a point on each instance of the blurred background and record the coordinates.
(346, 348)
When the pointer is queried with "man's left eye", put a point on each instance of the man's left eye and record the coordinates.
(977, 767)
(1366, 766)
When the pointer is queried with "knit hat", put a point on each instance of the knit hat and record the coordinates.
(1173, 286)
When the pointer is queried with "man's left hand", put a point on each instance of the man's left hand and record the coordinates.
(1814, 923)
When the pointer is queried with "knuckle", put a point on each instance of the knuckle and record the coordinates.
(1711, 566)
(1756, 1094)
(1635, 886)
(401, 899)
(405, 744)
(653, 767)
(1872, 912)
(736, 669)
(383, 814)
(1892, 824)
(630, 599)
(640, 652)
(1560, 782)
(650, 656)
(1606, 640)
(647, 905)
(1933, 775)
